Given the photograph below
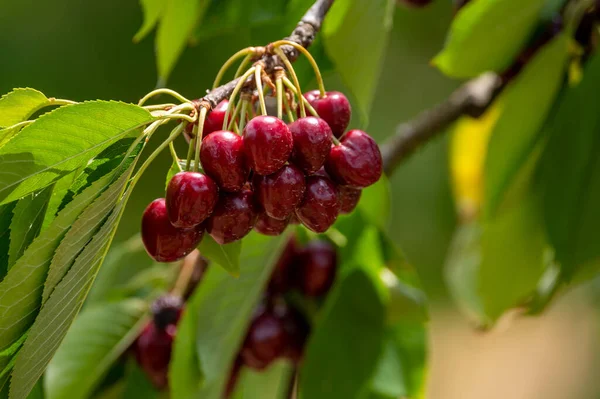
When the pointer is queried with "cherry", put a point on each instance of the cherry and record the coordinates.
(153, 352)
(215, 118)
(356, 161)
(233, 217)
(223, 159)
(269, 226)
(163, 241)
(349, 198)
(320, 206)
(166, 310)
(268, 144)
(312, 142)
(334, 108)
(284, 269)
(265, 341)
(316, 268)
(191, 198)
(279, 193)
(296, 329)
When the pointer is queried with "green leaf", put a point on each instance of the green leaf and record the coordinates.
(28, 216)
(21, 290)
(487, 35)
(152, 11)
(97, 338)
(8, 133)
(173, 170)
(20, 104)
(137, 384)
(271, 383)
(525, 105)
(58, 312)
(389, 380)
(342, 354)
(61, 188)
(227, 256)
(215, 322)
(359, 73)
(571, 174)
(175, 28)
(79, 132)
(375, 203)
(6, 214)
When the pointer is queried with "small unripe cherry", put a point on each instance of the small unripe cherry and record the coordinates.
(268, 144)
(190, 199)
(356, 161)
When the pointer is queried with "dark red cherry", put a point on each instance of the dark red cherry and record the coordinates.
(296, 329)
(268, 144)
(280, 193)
(153, 352)
(264, 342)
(191, 198)
(312, 142)
(320, 206)
(316, 268)
(223, 159)
(269, 226)
(166, 310)
(356, 161)
(349, 198)
(163, 241)
(334, 108)
(283, 273)
(233, 217)
(215, 118)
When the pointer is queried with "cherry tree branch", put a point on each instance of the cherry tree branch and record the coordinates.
(304, 34)
(472, 99)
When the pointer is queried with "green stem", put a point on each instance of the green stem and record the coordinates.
(174, 155)
(279, 86)
(235, 92)
(243, 114)
(288, 83)
(292, 72)
(248, 51)
(259, 89)
(191, 147)
(288, 109)
(174, 133)
(201, 119)
(236, 112)
(156, 92)
(310, 58)
(243, 65)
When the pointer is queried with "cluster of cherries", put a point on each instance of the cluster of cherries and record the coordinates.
(277, 329)
(272, 175)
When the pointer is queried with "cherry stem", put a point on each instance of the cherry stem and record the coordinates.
(243, 66)
(174, 155)
(201, 118)
(279, 85)
(243, 114)
(183, 279)
(288, 108)
(301, 98)
(172, 136)
(156, 92)
(159, 107)
(248, 52)
(259, 89)
(188, 118)
(191, 147)
(292, 72)
(310, 58)
(234, 116)
(235, 92)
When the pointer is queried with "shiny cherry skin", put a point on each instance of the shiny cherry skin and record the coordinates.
(163, 241)
(280, 193)
(269, 226)
(320, 206)
(349, 197)
(233, 217)
(153, 352)
(215, 118)
(312, 143)
(191, 198)
(283, 273)
(265, 341)
(334, 108)
(316, 268)
(223, 159)
(268, 144)
(356, 161)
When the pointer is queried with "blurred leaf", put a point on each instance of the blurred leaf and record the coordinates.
(175, 28)
(227, 256)
(407, 303)
(58, 312)
(215, 322)
(360, 73)
(487, 35)
(221, 17)
(271, 383)
(571, 173)
(410, 343)
(137, 384)
(388, 380)
(342, 354)
(173, 170)
(96, 339)
(526, 105)
(152, 11)
(28, 216)
(375, 203)
(21, 289)
(79, 132)
(6, 214)
(20, 104)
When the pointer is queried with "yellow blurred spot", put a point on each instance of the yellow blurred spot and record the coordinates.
(468, 150)
(575, 72)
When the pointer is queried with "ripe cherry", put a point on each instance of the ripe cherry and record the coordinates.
(268, 144)
(349, 198)
(320, 206)
(163, 241)
(356, 161)
(153, 352)
(215, 118)
(296, 329)
(191, 198)
(312, 142)
(334, 108)
(279, 193)
(223, 158)
(269, 226)
(283, 273)
(233, 217)
(166, 310)
(316, 268)
(265, 341)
